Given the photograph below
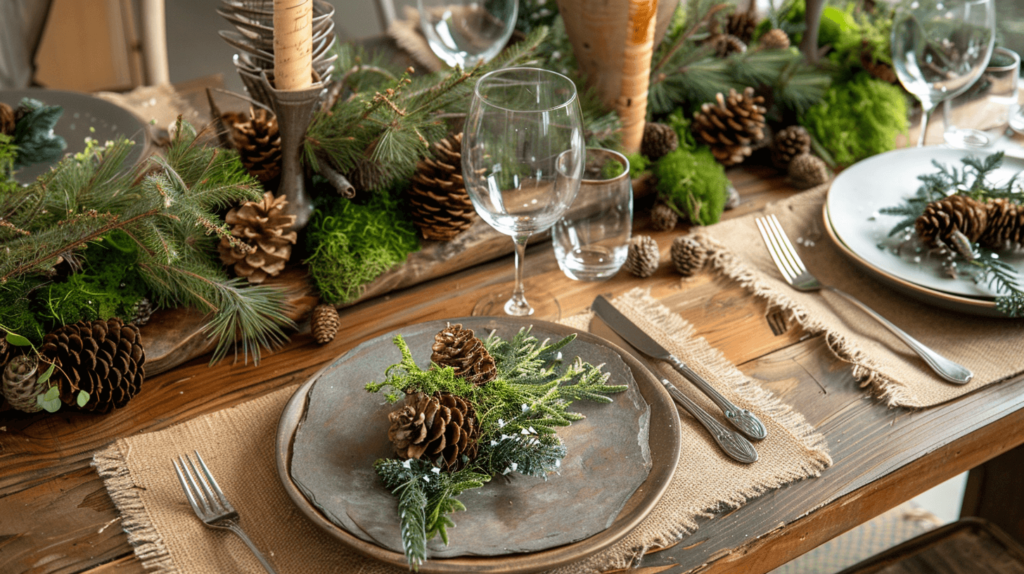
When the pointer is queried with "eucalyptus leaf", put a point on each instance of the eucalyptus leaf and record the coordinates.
(17, 340)
(52, 393)
(51, 406)
(46, 376)
(83, 398)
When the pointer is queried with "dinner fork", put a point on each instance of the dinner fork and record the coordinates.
(796, 274)
(210, 504)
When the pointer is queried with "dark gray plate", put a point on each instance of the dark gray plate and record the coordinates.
(333, 430)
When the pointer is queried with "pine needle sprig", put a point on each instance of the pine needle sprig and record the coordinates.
(520, 453)
(1002, 278)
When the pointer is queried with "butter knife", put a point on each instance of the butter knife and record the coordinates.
(742, 419)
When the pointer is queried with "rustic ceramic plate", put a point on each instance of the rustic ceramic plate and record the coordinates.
(620, 461)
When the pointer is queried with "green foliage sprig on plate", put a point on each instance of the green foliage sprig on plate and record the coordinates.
(518, 412)
(33, 134)
(972, 181)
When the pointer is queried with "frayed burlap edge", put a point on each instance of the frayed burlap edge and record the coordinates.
(111, 464)
(865, 371)
(631, 549)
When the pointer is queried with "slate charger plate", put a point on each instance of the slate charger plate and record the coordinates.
(620, 460)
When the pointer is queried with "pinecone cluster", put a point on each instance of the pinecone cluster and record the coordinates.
(730, 125)
(688, 255)
(442, 429)
(996, 224)
(788, 143)
(7, 119)
(262, 238)
(441, 208)
(324, 323)
(658, 140)
(257, 139)
(461, 350)
(642, 257)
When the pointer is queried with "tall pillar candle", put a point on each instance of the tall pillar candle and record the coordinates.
(293, 44)
(636, 72)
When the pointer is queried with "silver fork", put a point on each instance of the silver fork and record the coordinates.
(209, 502)
(797, 275)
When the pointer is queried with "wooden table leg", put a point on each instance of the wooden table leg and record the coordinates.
(993, 492)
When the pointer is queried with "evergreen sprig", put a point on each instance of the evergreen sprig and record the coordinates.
(1002, 278)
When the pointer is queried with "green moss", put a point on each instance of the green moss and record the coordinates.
(638, 164)
(858, 119)
(351, 244)
(680, 122)
(16, 315)
(693, 184)
(612, 169)
(8, 153)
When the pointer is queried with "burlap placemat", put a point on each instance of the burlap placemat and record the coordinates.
(237, 444)
(992, 348)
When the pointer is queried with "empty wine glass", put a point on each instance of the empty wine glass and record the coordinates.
(465, 32)
(522, 157)
(940, 48)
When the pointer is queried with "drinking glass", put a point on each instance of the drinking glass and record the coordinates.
(940, 48)
(591, 239)
(465, 32)
(988, 105)
(522, 157)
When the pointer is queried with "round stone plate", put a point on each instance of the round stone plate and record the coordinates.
(620, 460)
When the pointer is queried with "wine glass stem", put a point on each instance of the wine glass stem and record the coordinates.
(924, 124)
(517, 305)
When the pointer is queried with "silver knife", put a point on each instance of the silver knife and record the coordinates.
(732, 443)
(742, 419)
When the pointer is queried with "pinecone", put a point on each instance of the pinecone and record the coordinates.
(1005, 225)
(440, 429)
(325, 323)
(658, 140)
(642, 257)
(732, 201)
(258, 142)
(7, 122)
(104, 358)
(789, 143)
(688, 255)
(730, 125)
(726, 44)
(880, 70)
(775, 39)
(742, 24)
(663, 218)
(441, 208)
(7, 350)
(459, 349)
(141, 312)
(263, 240)
(19, 383)
(953, 213)
(366, 175)
(807, 171)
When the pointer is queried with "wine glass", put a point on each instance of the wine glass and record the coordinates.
(465, 32)
(523, 156)
(940, 48)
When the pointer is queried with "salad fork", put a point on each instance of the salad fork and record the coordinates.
(796, 274)
(210, 504)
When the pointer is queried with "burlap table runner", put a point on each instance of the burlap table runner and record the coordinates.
(992, 348)
(238, 446)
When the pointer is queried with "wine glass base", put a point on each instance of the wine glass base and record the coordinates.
(964, 138)
(543, 305)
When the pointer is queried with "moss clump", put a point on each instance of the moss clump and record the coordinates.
(612, 169)
(693, 184)
(352, 244)
(638, 164)
(858, 119)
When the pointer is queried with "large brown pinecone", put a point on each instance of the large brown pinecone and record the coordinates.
(788, 143)
(658, 140)
(104, 358)
(730, 125)
(1005, 226)
(663, 217)
(7, 121)
(258, 141)
(324, 323)
(742, 24)
(775, 39)
(441, 208)
(642, 257)
(263, 238)
(20, 386)
(440, 429)
(688, 255)
(807, 171)
(954, 213)
(461, 350)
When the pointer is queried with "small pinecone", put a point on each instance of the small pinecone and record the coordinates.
(366, 175)
(461, 350)
(688, 255)
(258, 142)
(663, 217)
(642, 257)
(440, 429)
(789, 143)
(658, 140)
(325, 323)
(7, 122)
(1005, 225)
(732, 201)
(730, 125)
(263, 240)
(742, 24)
(19, 383)
(441, 208)
(726, 44)
(104, 358)
(141, 312)
(880, 70)
(775, 39)
(807, 171)
(953, 213)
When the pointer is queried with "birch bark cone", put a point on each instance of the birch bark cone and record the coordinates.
(293, 44)
(636, 72)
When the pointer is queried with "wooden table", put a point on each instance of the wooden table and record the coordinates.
(55, 515)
